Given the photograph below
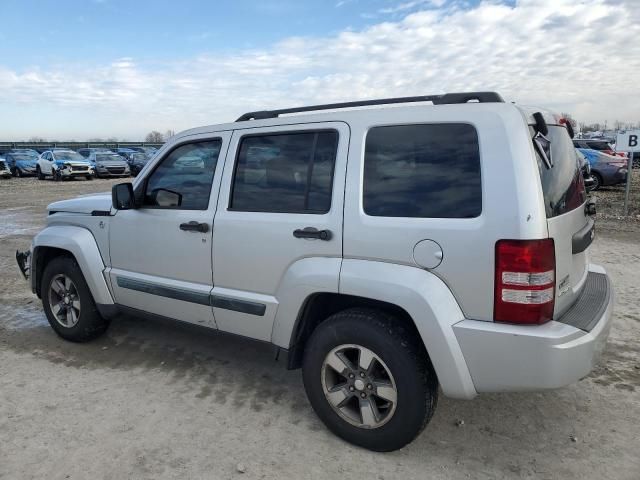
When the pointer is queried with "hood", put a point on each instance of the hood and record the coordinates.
(111, 163)
(75, 163)
(88, 204)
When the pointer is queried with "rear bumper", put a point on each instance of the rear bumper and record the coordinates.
(503, 357)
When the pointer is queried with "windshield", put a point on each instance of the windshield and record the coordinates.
(562, 184)
(139, 157)
(68, 155)
(600, 146)
(21, 157)
(103, 157)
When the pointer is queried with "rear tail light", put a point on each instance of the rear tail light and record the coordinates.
(525, 281)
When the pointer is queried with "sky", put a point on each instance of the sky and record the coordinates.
(79, 69)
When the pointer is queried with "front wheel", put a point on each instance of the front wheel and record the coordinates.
(369, 379)
(68, 302)
(39, 173)
(89, 177)
(57, 176)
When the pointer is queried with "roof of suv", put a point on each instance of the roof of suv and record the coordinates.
(490, 101)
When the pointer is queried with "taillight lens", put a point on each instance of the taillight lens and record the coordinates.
(525, 281)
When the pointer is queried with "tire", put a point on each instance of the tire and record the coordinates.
(18, 173)
(400, 363)
(597, 181)
(57, 177)
(89, 177)
(79, 324)
(39, 173)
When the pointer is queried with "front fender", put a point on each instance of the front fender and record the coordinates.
(81, 244)
(430, 304)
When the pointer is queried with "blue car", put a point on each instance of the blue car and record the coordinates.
(21, 164)
(606, 170)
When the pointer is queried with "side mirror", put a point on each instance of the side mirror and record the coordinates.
(122, 197)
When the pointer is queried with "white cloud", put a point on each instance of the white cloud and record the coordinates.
(578, 57)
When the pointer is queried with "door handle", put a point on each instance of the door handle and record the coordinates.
(194, 226)
(311, 232)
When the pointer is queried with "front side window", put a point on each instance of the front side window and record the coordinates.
(184, 177)
(286, 173)
(424, 170)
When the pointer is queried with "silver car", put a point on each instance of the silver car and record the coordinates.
(393, 254)
(107, 164)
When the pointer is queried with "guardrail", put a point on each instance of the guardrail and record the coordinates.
(40, 146)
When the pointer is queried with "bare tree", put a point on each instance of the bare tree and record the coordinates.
(154, 137)
(168, 134)
(37, 139)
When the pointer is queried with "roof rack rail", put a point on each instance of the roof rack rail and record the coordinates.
(445, 99)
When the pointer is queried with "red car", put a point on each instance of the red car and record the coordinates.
(599, 145)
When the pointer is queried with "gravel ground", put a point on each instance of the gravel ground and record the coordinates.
(157, 400)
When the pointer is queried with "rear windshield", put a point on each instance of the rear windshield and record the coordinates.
(562, 184)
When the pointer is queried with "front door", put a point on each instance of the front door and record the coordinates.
(161, 251)
(280, 205)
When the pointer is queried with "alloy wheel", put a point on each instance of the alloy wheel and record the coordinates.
(64, 300)
(359, 386)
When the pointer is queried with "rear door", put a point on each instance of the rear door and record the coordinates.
(570, 227)
(281, 201)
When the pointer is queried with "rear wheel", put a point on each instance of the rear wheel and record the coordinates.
(68, 302)
(18, 172)
(369, 379)
(597, 181)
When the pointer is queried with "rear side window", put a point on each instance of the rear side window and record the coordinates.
(426, 170)
(285, 173)
(562, 184)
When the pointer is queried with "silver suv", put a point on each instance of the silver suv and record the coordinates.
(388, 247)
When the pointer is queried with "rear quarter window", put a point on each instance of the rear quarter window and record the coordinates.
(422, 170)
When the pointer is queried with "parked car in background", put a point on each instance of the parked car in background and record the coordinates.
(22, 164)
(125, 152)
(137, 161)
(85, 152)
(4, 169)
(147, 150)
(606, 170)
(63, 163)
(585, 168)
(109, 164)
(603, 146)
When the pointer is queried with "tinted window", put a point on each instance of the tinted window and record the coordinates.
(600, 146)
(562, 184)
(184, 177)
(291, 173)
(422, 171)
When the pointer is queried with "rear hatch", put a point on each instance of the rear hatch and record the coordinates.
(568, 223)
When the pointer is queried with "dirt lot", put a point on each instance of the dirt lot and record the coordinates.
(156, 400)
